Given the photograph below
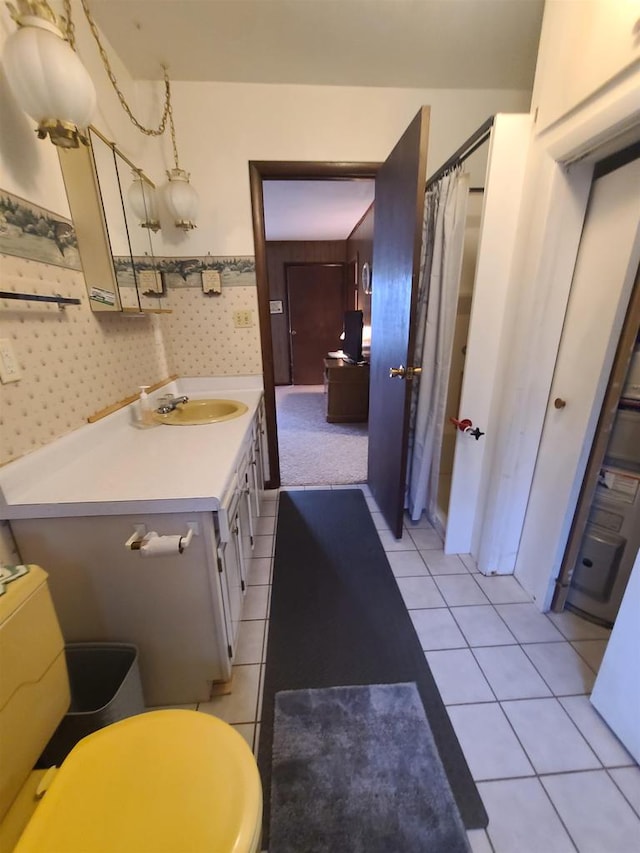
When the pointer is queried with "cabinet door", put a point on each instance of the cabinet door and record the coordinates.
(256, 477)
(230, 565)
(261, 456)
(246, 527)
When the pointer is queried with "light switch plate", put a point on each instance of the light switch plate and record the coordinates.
(9, 367)
(243, 319)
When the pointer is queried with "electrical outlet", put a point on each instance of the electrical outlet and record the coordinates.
(242, 319)
(9, 367)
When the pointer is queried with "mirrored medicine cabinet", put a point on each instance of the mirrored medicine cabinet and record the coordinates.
(116, 250)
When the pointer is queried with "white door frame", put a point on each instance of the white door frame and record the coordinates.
(503, 184)
(545, 260)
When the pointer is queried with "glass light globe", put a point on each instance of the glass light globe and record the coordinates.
(49, 81)
(142, 198)
(181, 199)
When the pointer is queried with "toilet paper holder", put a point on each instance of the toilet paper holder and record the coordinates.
(152, 544)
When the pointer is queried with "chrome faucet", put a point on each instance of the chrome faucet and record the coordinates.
(168, 403)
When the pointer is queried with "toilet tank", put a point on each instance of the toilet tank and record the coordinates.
(34, 685)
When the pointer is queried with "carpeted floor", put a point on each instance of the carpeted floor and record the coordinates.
(337, 618)
(356, 769)
(312, 451)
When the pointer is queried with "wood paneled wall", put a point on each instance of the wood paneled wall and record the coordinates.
(359, 251)
(278, 254)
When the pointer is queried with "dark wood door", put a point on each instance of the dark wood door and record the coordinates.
(317, 300)
(397, 238)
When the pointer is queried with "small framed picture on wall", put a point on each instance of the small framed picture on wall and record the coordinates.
(366, 278)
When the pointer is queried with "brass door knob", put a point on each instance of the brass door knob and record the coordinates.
(404, 372)
(559, 403)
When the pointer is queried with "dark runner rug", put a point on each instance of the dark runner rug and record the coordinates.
(337, 618)
(356, 769)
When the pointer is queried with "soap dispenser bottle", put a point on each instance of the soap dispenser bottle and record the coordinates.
(145, 413)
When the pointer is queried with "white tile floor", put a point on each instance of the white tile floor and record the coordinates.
(552, 775)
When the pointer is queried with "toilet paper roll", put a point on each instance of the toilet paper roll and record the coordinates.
(160, 546)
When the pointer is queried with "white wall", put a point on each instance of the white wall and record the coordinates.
(585, 45)
(221, 126)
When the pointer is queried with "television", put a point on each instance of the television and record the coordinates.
(352, 344)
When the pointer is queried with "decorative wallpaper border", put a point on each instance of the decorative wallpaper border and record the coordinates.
(187, 272)
(36, 234)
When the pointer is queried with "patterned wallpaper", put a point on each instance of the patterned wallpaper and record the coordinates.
(201, 338)
(200, 335)
(73, 362)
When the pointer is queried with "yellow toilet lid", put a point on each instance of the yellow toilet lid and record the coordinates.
(161, 781)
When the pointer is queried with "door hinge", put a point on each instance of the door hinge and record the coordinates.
(230, 650)
(242, 586)
(219, 565)
(251, 540)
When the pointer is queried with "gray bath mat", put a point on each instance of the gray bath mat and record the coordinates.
(356, 770)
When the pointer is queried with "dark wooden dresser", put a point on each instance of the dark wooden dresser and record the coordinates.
(347, 387)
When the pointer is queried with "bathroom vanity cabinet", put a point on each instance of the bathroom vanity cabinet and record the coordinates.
(182, 610)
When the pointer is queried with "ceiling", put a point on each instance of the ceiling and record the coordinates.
(466, 44)
(314, 210)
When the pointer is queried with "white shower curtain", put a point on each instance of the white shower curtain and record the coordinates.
(441, 264)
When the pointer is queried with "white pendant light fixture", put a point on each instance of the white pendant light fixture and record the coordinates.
(180, 197)
(54, 87)
(46, 76)
(142, 198)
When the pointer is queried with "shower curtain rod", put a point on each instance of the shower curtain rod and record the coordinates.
(477, 138)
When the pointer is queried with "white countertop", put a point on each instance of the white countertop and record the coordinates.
(112, 467)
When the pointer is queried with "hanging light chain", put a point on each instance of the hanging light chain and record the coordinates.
(173, 136)
(69, 25)
(166, 113)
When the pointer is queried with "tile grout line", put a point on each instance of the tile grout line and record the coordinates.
(573, 723)
(536, 775)
(532, 662)
(607, 769)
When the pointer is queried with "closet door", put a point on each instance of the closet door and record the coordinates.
(503, 189)
(605, 270)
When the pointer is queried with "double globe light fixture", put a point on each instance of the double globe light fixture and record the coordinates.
(52, 86)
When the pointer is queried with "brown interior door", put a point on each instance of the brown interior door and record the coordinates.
(317, 300)
(397, 238)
